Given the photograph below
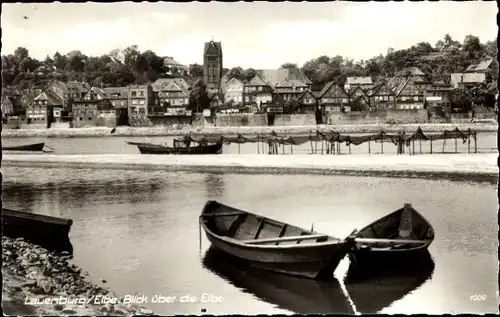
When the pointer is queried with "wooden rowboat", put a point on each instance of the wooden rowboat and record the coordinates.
(49, 232)
(398, 237)
(272, 245)
(27, 147)
(298, 295)
(162, 149)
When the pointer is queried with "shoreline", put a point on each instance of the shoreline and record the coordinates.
(471, 167)
(125, 131)
(32, 275)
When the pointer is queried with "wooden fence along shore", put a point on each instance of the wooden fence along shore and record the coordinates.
(329, 142)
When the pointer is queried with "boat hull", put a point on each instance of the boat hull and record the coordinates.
(272, 245)
(369, 256)
(314, 262)
(194, 150)
(28, 147)
(49, 232)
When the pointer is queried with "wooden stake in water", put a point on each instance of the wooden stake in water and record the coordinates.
(456, 145)
(369, 149)
(431, 146)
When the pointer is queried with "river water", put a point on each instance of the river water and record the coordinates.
(486, 143)
(139, 231)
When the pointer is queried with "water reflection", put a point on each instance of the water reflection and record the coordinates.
(298, 295)
(215, 185)
(376, 288)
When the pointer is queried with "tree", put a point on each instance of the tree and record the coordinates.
(289, 65)
(198, 97)
(196, 70)
(21, 53)
(60, 61)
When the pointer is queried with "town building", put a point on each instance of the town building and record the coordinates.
(173, 67)
(118, 97)
(438, 95)
(140, 100)
(212, 65)
(94, 110)
(353, 82)
(174, 99)
(257, 93)
(467, 80)
(46, 108)
(233, 91)
(307, 102)
(409, 95)
(380, 96)
(333, 98)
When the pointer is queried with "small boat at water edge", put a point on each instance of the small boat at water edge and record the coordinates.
(194, 150)
(49, 232)
(27, 147)
(272, 245)
(296, 294)
(402, 236)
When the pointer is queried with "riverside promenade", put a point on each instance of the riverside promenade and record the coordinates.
(490, 126)
(482, 166)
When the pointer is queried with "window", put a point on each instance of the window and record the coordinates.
(344, 100)
(247, 99)
(415, 98)
(90, 118)
(260, 88)
(142, 110)
(134, 101)
(403, 98)
(141, 102)
(113, 103)
(80, 119)
(141, 93)
(133, 93)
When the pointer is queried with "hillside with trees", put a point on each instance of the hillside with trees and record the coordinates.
(130, 66)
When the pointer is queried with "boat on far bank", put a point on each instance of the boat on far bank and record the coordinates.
(48, 232)
(204, 145)
(26, 147)
(400, 237)
(272, 245)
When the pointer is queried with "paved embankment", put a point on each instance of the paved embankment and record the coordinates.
(40, 283)
(172, 131)
(468, 166)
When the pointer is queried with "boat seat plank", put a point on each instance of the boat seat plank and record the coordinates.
(259, 228)
(280, 239)
(389, 241)
(236, 225)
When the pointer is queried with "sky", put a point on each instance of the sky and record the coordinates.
(253, 34)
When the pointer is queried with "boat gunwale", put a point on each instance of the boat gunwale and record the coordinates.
(36, 217)
(416, 248)
(337, 242)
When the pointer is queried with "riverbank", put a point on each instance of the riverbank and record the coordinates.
(171, 131)
(481, 166)
(38, 282)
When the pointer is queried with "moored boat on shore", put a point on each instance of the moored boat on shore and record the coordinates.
(26, 147)
(45, 231)
(272, 245)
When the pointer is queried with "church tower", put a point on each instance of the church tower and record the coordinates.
(212, 65)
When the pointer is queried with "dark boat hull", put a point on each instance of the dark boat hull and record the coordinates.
(193, 150)
(368, 256)
(311, 260)
(28, 147)
(49, 232)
